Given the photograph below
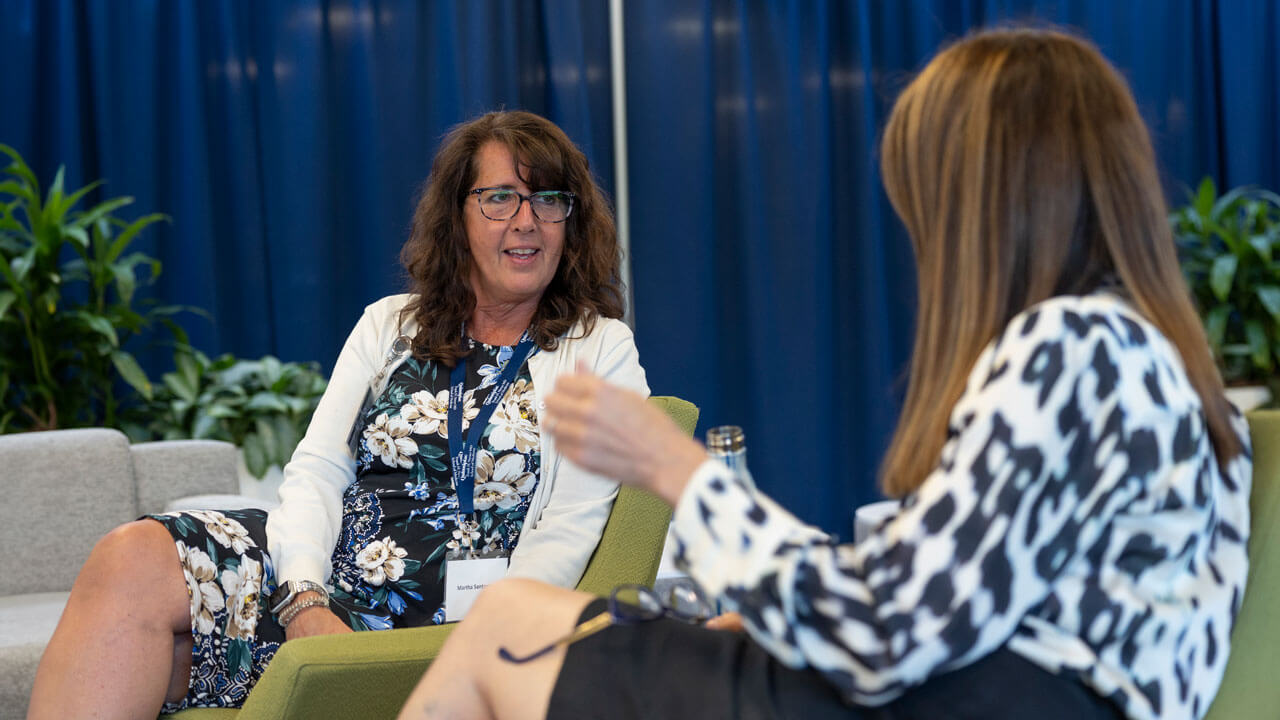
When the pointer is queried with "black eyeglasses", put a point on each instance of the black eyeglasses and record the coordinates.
(502, 203)
(628, 605)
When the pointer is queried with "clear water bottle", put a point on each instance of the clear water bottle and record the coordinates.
(728, 444)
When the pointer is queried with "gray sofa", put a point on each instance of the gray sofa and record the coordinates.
(62, 491)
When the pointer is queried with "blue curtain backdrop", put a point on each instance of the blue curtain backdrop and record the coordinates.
(773, 286)
(773, 283)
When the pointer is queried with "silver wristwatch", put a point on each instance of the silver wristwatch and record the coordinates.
(289, 590)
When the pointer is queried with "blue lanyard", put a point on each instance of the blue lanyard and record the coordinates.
(462, 454)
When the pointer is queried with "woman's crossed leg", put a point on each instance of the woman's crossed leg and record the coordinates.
(123, 644)
(469, 681)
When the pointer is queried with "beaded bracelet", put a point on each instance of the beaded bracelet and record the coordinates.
(286, 616)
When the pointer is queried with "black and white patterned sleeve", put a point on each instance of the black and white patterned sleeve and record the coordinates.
(1043, 446)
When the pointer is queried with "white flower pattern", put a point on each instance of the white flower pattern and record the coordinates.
(388, 438)
(503, 483)
(427, 413)
(459, 542)
(206, 597)
(229, 533)
(381, 561)
(242, 586)
(515, 419)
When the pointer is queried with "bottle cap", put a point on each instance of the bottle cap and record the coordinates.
(726, 439)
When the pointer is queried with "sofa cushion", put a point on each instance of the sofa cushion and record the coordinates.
(64, 490)
(174, 469)
(26, 624)
(220, 502)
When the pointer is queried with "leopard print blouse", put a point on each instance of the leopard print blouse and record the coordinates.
(1077, 516)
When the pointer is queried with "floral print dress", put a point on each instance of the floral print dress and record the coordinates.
(399, 522)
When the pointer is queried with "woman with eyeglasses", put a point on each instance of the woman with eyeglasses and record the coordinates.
(426, 456)
(1074, 485)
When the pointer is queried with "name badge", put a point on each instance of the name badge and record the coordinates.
(463, 581)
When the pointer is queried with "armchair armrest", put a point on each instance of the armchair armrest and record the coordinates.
(365, 674)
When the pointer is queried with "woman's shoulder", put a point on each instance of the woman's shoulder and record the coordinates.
(388, 305)
(384, 314)
(602, 330)
(1082, 322)
(1099, 339)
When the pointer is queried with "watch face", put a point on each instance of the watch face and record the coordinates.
(281, 595)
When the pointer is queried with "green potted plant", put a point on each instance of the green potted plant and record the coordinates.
(263, 406)
(69, 304)
(1229, 246)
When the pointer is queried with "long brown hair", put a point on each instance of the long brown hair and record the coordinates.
(437, 257)
(1020, 166)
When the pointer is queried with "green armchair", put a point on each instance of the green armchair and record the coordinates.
(1249, 689)
(369, 674)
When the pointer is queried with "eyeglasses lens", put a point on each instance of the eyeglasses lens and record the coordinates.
(637, 603)
(687, 603)
(547, 205)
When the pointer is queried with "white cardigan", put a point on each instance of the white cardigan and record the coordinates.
(568, 509)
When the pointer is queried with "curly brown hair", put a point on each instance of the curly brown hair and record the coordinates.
(587, 283)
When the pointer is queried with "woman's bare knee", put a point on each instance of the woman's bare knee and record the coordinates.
(137, 563)
(512, 602)
(514, 608)
(521, 615)
(506, 595)
(135, 547)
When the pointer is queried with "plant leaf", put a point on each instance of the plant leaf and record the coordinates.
(205, 426)
(188, 368)
(7, 298)
(179, 335)
(1269, 296)
(79, 235)
(1205, 195)
(1215, 326)
(100, 211)
(1261, 244)
(75, 197)
(1259, 348)
(100, 325)
(222, 410)
(48, 300)
(175, 309)
(16, 189)
(267, 401)
(1229, 203)
(180, 386)
(270, 371)
(255, 453)
(286, 437)
(132, 373)
(126, 236)
(1222, 276)
(22, 265)
(53, 211)
(20, 168)
(126, 282)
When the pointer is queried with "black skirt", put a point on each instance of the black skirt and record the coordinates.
(667, 669)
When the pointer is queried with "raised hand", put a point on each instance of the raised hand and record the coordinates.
(617, 433)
